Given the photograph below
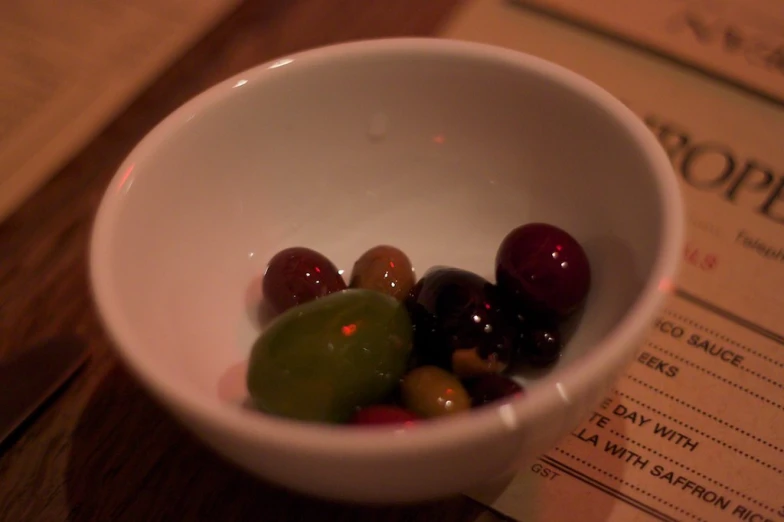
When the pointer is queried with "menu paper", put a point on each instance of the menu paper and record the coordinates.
(694, 430)
(739, 40)
(68, 67)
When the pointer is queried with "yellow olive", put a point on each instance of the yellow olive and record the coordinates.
(429, 391)
(384, 269)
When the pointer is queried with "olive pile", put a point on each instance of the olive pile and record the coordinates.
(387, 348)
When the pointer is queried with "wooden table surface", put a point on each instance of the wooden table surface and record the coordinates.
(103, 450)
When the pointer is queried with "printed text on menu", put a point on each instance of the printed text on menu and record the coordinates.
(695, 429)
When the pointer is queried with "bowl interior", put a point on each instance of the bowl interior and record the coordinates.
(438, 153)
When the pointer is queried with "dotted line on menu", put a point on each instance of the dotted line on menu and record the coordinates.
(762, 377)
(719, 377)
(632, 486)
(695, 430)
(687, 468)
(752, 372)
(701, 412)
(723, 338)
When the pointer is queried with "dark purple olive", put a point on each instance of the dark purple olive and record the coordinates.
(490, 388)
(544, 267)
(458, 323)
(538, 341)
(297, 275)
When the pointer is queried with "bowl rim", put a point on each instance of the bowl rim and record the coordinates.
(549, 392)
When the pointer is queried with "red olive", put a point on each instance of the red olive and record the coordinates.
(383, 414)
(544, 267)
(297, 275)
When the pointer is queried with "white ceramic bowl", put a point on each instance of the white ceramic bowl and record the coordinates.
(438, 147)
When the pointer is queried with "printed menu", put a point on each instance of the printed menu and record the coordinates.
(694, 430)
(740, 41)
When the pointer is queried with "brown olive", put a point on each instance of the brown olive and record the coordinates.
(429, 391)
(385, 269)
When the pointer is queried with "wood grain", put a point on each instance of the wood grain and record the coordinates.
(103, 450)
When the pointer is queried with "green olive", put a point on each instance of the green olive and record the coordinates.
(430, 391)
(384, 269)
(322, 360)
